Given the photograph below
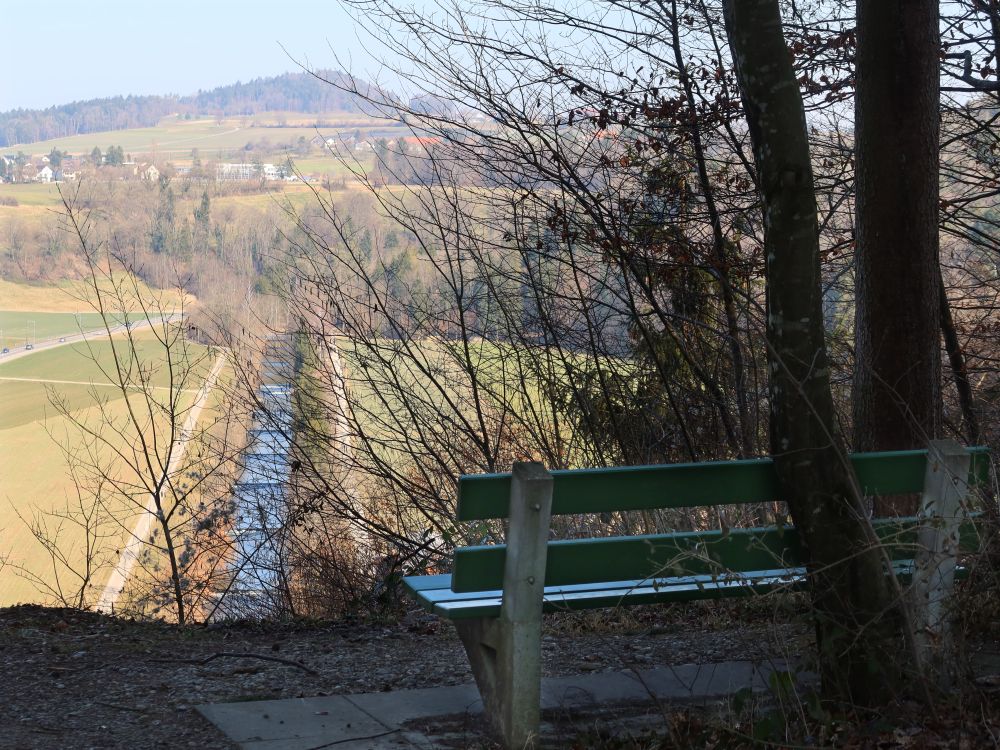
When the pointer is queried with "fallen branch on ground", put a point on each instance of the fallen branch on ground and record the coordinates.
(223, 654)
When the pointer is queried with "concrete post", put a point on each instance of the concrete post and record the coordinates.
(519, 669)
(505, 653)
(941, 513)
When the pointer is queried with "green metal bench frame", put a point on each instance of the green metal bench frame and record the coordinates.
(495, 600)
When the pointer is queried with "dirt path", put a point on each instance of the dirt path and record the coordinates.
(343, 427)
(126, 561)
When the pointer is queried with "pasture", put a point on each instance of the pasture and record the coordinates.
(18, 326)
(32, 194)
(41, 298)
(34, 467)
(175, 137)
(68, 297)
(512, 386)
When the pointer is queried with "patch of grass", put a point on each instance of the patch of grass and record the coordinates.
(324, 165)
(32, 194)
(173, 136)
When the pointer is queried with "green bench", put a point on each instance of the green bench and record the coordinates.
(495, 600)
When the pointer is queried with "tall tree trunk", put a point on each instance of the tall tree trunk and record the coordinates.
(897, 376)
(859, 621)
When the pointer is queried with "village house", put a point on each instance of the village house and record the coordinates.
(147, 172)
(246, 171)
(45, 174)
(417, 144)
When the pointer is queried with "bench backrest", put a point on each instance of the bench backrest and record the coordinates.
(582, 561)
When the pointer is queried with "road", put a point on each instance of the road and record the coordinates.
(133, 548)
(47, 344)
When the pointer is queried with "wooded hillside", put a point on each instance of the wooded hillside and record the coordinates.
(298, 92)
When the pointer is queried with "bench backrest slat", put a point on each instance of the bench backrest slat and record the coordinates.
(583, 561)
(484, 496)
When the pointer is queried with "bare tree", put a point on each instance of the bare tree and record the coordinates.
(155, 448)
(78, 540)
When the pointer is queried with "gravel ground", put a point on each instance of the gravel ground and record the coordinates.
(83, 680)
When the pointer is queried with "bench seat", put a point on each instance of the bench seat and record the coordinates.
(434, 593)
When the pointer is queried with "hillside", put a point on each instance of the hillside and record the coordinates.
(295, 92)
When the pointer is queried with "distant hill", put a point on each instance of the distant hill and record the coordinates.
(296, 92)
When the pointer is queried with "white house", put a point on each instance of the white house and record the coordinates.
(147, 172)
(44, 174)
(247, 172)
(229, 171)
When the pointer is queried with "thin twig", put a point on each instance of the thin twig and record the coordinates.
(353, 739)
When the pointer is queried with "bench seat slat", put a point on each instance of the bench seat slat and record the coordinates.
(624, 488)
(446, 603)
(427, 583)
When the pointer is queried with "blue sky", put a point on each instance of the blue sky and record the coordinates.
(57, 51)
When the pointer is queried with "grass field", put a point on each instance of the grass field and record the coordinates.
(174, 137)
(65, 297)
(40, 298)
(30, 194)
(507, 383)
(325, 165)
(33, 467)
(17, 326)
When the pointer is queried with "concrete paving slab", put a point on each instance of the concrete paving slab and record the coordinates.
(294, 724)
(685, 682)
(397, 707)
(706, 680)
(375, 720)
(390, 740)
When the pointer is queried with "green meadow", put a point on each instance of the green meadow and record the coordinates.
(175, 137)
(18, 326)
(34, 472)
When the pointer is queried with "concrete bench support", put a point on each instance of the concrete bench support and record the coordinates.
(941, 511)
(505, 652)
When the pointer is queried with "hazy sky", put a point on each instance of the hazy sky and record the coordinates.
(57, 51)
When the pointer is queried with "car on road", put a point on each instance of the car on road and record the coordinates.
(6, 350)
(62, 339)
(29, 347)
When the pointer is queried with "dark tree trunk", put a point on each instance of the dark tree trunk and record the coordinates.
(897, 376)
(959, 371)
(859, 621)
